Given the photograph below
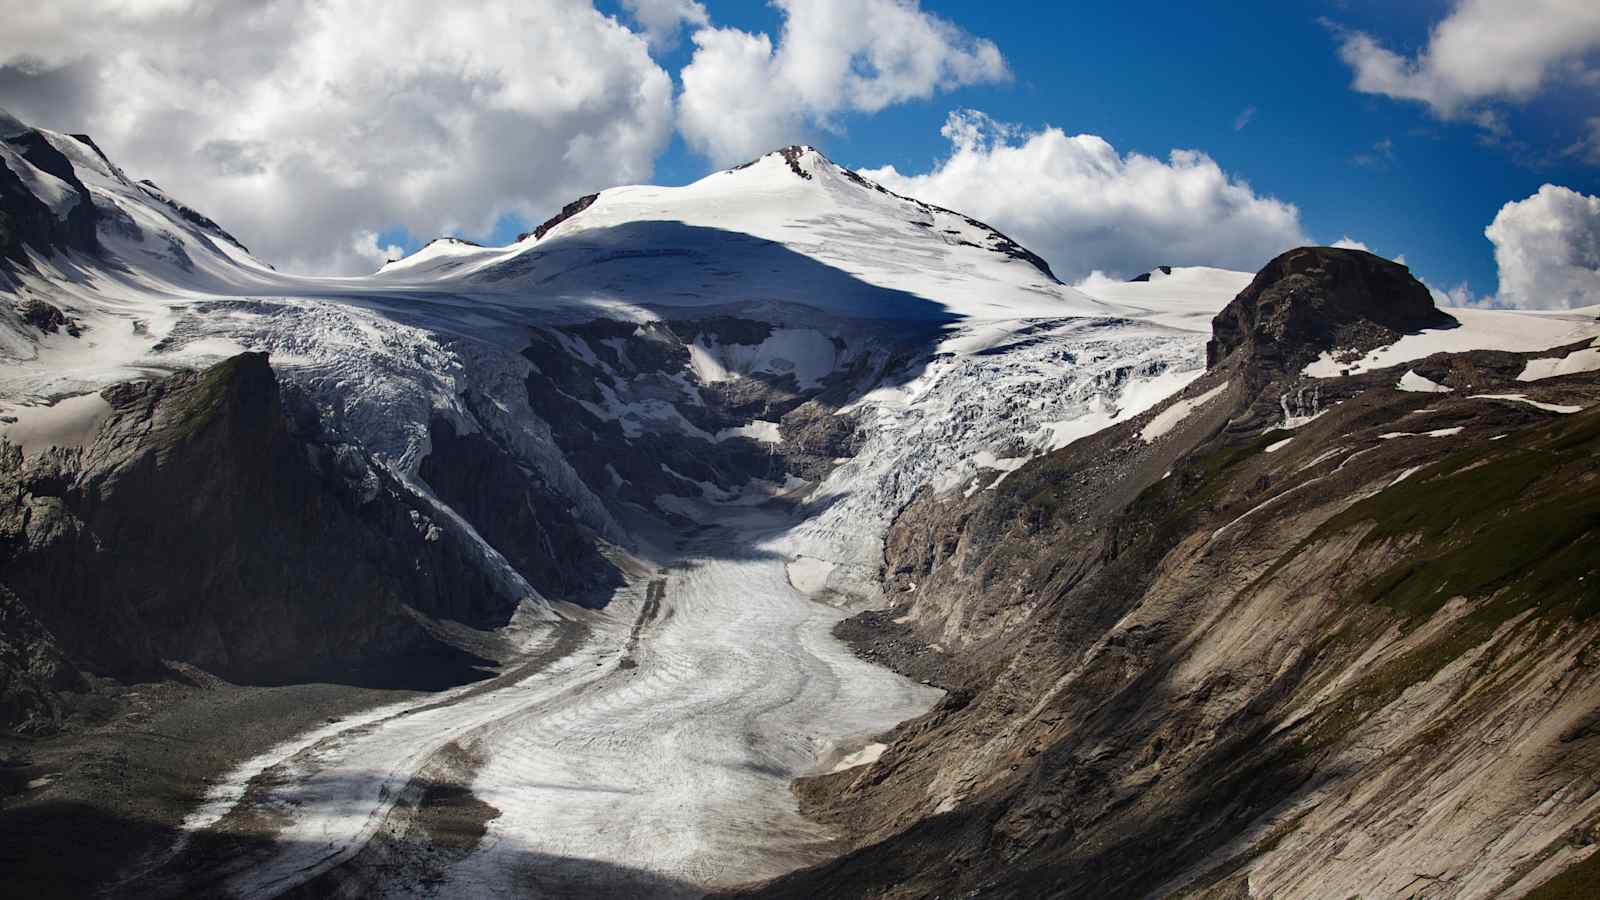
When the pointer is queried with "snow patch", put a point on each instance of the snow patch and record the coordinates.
(866, 756)
(1169, 418)
(72, 422)
(1415, 383)
(757, 430)
(1436, 433)
(1275, 446)
(1517, 331)
(1522, 398)
(1586, 360)
(809, 575)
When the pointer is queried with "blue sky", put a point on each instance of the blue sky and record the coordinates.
(330, 140)
(1150, 77)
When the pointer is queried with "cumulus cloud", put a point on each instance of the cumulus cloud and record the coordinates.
(365, 246)
(1460, 295)
(1547, 248)
(663, 20)
(742, 95)
(1349, 243)
(304, 126)
(1483, 50)
(1084, 206)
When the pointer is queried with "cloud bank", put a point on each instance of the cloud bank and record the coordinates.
(1082, 205)
(742, 95)
(307, 126)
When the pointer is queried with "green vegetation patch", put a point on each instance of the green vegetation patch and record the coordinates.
(1513, 526)
(1520, 523)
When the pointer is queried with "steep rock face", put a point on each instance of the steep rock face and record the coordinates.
(32, 223)
(1313, 299)
(531, 526)
(211, 521)
(1197, 654)
(33, 671)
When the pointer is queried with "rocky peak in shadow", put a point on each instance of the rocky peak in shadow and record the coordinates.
(1313, 299)
(27, 220)
(212, 520)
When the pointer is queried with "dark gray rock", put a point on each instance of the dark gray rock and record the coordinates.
(212, 522)
(1313, 299)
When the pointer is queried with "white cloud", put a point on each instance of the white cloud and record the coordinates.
(743, 96)
(1548, 249)
(1460, 295)
(1084, 206)
(1243, 118)
(302, 126)
(365, 247)
(1349, 243)
(1483, 50)
(662, 20)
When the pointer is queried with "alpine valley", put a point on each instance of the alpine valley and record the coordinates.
(777, 536)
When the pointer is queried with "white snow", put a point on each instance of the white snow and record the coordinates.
(1519, 331)
(809, 575)
(71, 422)
(58, 196)
(1408, 473)
(1275, 446)
(1169, 418)
(1415, 383)
(805, 353)
(1437, 433)
(1522, 398)
(1189, 298)
(1585, 360)
(756, 429)
(866, 756)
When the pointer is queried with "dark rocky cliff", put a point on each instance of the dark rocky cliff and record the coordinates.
(212, 522)
(1235, 660)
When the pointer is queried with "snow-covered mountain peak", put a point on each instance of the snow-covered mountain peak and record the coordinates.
(790, 226)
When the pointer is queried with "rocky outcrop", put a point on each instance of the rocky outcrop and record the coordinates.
(27, 220)
(212, 521)
(1313, 299)
(567, 212)
(47, 317)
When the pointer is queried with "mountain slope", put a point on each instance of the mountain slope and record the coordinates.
(1202, 654)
